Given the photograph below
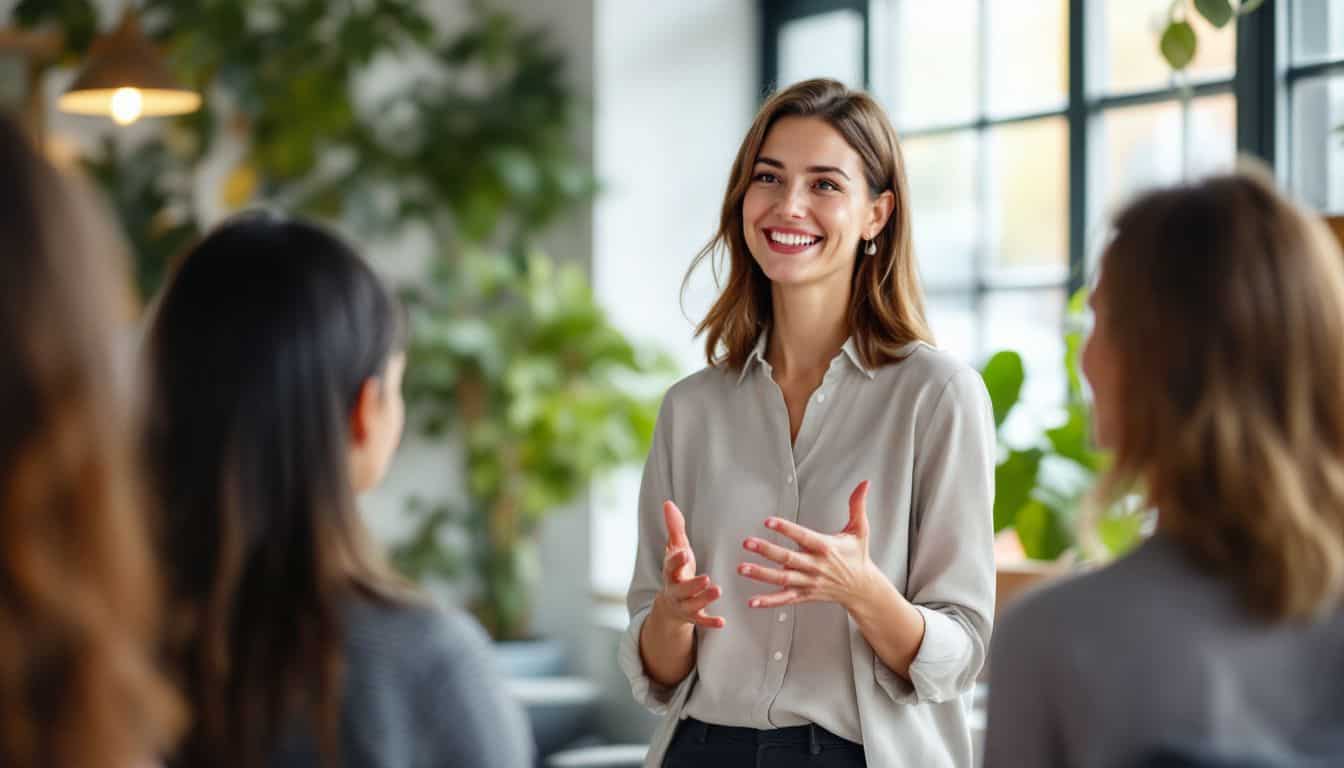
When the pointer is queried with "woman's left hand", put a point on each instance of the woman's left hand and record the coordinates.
(827, 567)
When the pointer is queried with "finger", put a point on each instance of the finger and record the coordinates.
(798, 561)
(697, 603)
(858, 511)
(776, 599)
(676, 526)
(783, 578)
(673, 562)
(703, 619)
(689, 588)
(807, 538)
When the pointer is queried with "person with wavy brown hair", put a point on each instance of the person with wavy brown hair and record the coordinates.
(826, 483)
(78, 608)
(1217, 368)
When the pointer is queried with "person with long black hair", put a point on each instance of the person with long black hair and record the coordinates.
(276, 359)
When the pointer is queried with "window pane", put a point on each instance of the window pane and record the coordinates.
(952, 319)
(1032, 324)
(1212, 139)
(1138, 148)
(1318, 142)
(945, 216)
(1028, 55)
(1029, 195)
(824, 45)
(1318, 29)
(937, 61)
(1131, 60)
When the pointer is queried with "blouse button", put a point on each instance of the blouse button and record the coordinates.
(778, 656)
(783, 617)
(821, 398)
(788, 480)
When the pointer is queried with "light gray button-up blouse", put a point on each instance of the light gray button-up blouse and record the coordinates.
(922, 431)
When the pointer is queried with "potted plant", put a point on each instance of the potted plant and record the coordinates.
(1042, 484)
(508, 349)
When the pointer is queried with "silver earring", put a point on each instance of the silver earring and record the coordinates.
(871, 249)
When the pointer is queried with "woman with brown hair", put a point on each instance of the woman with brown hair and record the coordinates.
(829, 451)
(1217, 366)
(78, 609)
(276, 358)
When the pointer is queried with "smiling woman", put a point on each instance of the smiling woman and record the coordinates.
(828, 451)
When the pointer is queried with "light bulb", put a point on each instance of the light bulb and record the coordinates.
(127, 105)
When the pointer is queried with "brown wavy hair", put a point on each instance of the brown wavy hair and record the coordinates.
(1229, 333)
(886, 305)
(78, 603)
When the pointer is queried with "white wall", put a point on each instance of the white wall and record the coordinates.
(676, 86)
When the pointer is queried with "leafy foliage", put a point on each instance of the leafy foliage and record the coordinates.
(1041, 487)
(1179, 42)
(509, 350)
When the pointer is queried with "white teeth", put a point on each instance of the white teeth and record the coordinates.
(784, 238)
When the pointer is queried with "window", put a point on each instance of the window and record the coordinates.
(1023, 125)
(1314, 83)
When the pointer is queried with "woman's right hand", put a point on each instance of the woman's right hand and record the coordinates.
(684, 596)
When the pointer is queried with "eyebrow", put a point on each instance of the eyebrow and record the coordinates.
(770, 161)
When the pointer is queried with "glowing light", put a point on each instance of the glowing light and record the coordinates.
(127, 105)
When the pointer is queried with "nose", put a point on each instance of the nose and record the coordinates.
(793, 201)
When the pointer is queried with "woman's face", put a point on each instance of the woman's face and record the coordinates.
(808, 205)
(380, 417)
(1101, 367)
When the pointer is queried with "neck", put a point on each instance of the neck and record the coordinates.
(809, 327)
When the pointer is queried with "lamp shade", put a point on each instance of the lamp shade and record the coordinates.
(124, 77)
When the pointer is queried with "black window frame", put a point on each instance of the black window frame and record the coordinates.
(1259, 84)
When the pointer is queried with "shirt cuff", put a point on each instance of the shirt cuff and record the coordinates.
(938, 672)
(650, 694)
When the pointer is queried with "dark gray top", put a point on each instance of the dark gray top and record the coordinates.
(1153, 653)
(422, 691)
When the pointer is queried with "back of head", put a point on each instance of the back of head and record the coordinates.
(77, 590)
(1228, 323)
(258, 350)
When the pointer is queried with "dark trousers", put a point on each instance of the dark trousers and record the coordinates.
(700, 745)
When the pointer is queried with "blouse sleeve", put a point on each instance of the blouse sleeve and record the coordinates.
(951, 568)
(655, 488)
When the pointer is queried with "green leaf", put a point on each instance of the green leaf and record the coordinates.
(1218, 12)
(1014, 479)
(1043, 530)
(1072, 439)
(1121, 533)
(1003, 374)
(1178, 44)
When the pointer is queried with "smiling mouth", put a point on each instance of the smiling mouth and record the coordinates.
(791, 241)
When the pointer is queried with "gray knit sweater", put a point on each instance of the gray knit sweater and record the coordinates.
(421, 691)
(1153, 653)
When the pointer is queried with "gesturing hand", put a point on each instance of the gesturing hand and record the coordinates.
(828, 567)
(684, 596)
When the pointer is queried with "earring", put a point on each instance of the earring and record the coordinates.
(871, 249)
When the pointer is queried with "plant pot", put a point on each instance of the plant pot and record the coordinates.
(531, 658)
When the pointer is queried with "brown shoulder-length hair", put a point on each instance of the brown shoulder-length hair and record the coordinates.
(78, 607)
(886, 305)
(1229, 330)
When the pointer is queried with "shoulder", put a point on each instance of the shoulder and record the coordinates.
(706, 385)
(416, 636)
(1108, 605)
(930, 378)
